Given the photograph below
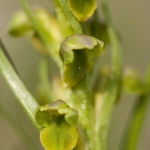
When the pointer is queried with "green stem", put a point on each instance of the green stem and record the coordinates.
(24, 97)
(44, 79)
(80, 99)
(80, 96)
(47, 39)
(65, 26)
(131, 140)
(112, 93)
(25, 138)
(71, 18)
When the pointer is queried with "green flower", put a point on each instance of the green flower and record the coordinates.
(20, 25)
(76, 52)
(58, 121)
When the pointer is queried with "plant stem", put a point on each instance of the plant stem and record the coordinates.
(80, 99)
(80, 96)
(112, 93)
(47, 39)
(71, 18)
(24, 97)
(131, 140)
(65, 25)
(44, 79)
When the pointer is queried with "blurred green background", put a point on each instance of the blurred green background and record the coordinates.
(132, 21)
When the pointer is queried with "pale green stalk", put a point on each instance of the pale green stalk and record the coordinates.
(71, 18)
(20, 91)
(80, 99)
(65, 25)
(111, 94)
(131, 140)
(80, 96)
(47, 39)
(44, 79)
